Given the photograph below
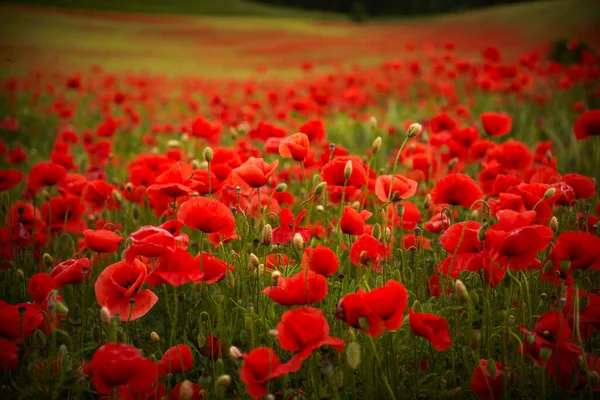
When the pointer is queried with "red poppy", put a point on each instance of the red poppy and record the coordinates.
(150, 241)
(116, 364)
(496, 124)
(321, 260)
(353, 222)
(101, 240)
(401, 188)
(254, 173)
(215, 348)
(483, 384)
(306, 287)
(457, 190)
(467, 257)
(581, 249)
(17, 155)
(174, 182)
(302, 331)
(442, 122)
(277, 260)
(207, 215)
(367, 251)
(118, 288)
(260, 366)
(295, 146)
(98, 194)
(9, 356)
(175, 360)
(71, 272)
(431, 327)
(213, 269)
(176, 269)
(45, 174)
(288, 226)
(14, 327)
(39, 287)
(9, 179)
(333, 172)
(583, 186)
(587, 125)
(65, 214)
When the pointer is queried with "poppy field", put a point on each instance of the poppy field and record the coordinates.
(425, 227)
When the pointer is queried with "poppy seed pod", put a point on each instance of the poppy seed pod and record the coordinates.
(549, 193)
(376, 146)
(348, 170)
(413, 130)
(208, 154)
(353, 355)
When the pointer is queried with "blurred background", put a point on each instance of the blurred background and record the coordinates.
(279, 38)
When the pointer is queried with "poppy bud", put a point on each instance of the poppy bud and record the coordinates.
(320, 208)
(594, 378)
(545, 353)
(417, 306)
(554, 224)
(105, 316)
(427, 201)
(47, 258)
(321, 186)
(223, 381)
(376, 231)
(128, 186)
(116, 196)
(186, 390)
(260, 270)
(135, 214)
(195, 164)
(269, 397)
(580, 362)
(201, 338)
(235, 353)
(208, 154)
(388, 234)
(562, 302)
(461, 291)
(376, 145)
(154, 336)
(275, 275)
(173, 144)
(298, 241)
(282, 187)
(254, 260)
(452, 162)
(373, 122)
(363, 322)
(549, 193)
(185, 138)
(46, 195)
(61, 308)
(353, 355)
(229, 279)
(510, 319)
(348, 170)
(492, 369)
(475, 214)
(267, 235)
(482, 232)
(337, 379)
(400, 210)
(20, 274)
(413, 130)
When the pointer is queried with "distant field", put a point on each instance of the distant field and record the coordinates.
(34, 37)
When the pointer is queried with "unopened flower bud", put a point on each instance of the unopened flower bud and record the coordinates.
(229, 279)
(562, 302)
(254, 260)
(20, 274)
(223, 381)
(208, 154)
(267, 235)
(320, 208)
(185, 138)
(353, 355)
(47, 258)
(427, 201)
(62, 308)
(400, 210)
(275, 275)
(154, 336)
(373, 122)
(376, 146)
(545, 353)
(461, 291)
(282, 187)
(482, 232)
(298, 241)
(63, 350)
(321, 186)
(186, 390)
(363, 322)
(337, 379)
(388, 234)
(116, 196)
(105, 316)
(348, 170)
(413, 130)
(549, 193)
(492, 369)
(173, 144)
(452, 162)
(235, 353)
(195, 164)
(376, 231)
(593, 378)
(554, 224)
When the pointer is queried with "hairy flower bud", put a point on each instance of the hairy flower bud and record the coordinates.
(48, 261)
(376, 146)
(554, 224)
(461, 291)
(282, 187)
(353, 355)
(413, 130)
(321, 186)
(186, 390)
(223, 381)
(549, 193)
(267, 235)
(154, 336)
(298, 241)
(105, 316)
(208, 154)
(348, 170)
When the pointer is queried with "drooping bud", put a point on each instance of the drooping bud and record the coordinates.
(298, 241)
(267, 235)
(353, 355)
(461, 291)
(223, 381)
(254, 260)
(376, 146)
(427, 201)
(413, 130)
(282, 187)
(348, 170)
(154, 336)
(373, 122)
(554, 224)
(235, 353)
(47, 258)
(105, 316)
(482, 232)
(116, 196)
(208, 154)
(549, 193)
(376, 231)
(321, 186)
(195, 164)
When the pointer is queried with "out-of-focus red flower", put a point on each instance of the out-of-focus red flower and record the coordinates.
(9, 356)
(496, 124)
(45, 174)
(321, 260)
(261, 365)
(353, 222)
(10, 328)
(306, 287)
(39, 287)
(150, 241)
(457, 190)
(483, 384)
(289, 226)
(583, 186)
(215, 348)
(207, 215)
(581, 249)
(254, 173)
(101, 240)
(175, 360)
(432, 328)
(71, 272)
(213, 269)
(295, 146)
(9, 179)
(397, 187)
(367, 251)
(587, 125)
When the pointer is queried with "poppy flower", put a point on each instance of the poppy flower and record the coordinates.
(176, 269)
(10, 328)
(215, 348)
(367, 251)
(581, 249)
(432, 328)
(288, 225)
(321, 260)
(388, 303)
(353, 308)
(306, 287)
(150, 241)
(64, 213)
(483, 384)
(174, 182)
(254, 173)
(277, 260)
(116, 364)
(457, 190)
(118, 288)
(496, 124)
(587, 125)
(583, 186)
(71, 272)
(39, 287)
(9, 356)
(466, 257)
(353, 222)
(260, 366)
(207, 215)
(101, 240)
(333, 172)
(397, 187)
(45, 174)
(213, 269)
(295, 146)
(175, 360)
(442, 122)
(99, 195)
(302, 331)
(9, 179)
